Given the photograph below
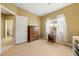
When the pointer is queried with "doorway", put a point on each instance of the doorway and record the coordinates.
(7, 29)
(51, 26)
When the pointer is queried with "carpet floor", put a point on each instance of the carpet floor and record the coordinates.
(39, 47)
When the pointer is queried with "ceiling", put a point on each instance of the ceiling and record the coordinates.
(41, 9)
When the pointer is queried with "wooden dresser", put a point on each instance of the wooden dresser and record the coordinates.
(52, 38)
(33, 33)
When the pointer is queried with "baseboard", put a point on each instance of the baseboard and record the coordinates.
(65, 43)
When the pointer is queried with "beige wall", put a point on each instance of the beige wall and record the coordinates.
(10, 6)
(32, 18)
(72, 18)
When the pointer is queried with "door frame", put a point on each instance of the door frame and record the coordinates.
(7, 9)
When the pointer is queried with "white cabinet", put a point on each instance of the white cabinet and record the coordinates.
(21, 29)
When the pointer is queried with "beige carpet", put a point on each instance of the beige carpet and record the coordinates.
(39, 48)
(7, 42)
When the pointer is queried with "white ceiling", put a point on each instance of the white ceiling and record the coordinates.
(41, 9)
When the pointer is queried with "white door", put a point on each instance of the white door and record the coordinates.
(21, 29)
